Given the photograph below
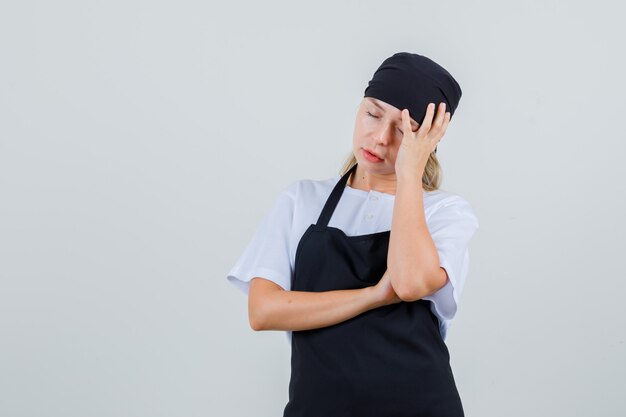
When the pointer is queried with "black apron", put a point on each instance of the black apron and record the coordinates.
(388, 361)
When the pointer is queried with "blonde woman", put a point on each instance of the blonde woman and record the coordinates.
(364, 270)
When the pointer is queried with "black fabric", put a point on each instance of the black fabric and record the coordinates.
(411, 81)
(388, 361)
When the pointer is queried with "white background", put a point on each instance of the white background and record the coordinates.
(141, 142)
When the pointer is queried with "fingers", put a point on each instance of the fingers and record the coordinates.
(432, 127)
(441, 121)
(446, 121)
(428, 117)
(440, 115)
(406, 121)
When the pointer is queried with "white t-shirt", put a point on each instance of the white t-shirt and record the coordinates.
(271, 252)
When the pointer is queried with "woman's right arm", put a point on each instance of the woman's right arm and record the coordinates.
(270, 307)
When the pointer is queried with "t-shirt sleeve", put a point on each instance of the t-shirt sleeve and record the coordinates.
(267, 254)
(452, 227)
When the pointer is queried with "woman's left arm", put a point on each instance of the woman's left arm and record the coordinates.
(412, 258)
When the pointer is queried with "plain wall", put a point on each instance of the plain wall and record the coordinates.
(142, 142)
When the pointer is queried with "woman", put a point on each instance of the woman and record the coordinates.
(364, 270)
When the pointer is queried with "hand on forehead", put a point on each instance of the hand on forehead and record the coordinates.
(387, 108)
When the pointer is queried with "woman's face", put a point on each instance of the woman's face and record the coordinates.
(378, 129)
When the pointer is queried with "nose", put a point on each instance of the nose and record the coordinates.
(385, 133)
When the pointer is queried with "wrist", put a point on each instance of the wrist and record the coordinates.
(411, 180)
(371, 297)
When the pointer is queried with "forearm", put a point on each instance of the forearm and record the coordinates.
(412, 259)
(304, 310)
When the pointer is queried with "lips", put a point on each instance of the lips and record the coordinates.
(373, 153)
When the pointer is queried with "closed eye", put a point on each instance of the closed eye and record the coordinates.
(376, 117)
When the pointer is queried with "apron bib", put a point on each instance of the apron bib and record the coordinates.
(388, 361)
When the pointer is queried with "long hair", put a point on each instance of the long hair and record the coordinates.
(431, 180)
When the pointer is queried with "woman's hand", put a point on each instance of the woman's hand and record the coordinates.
(385, 293)
(417, 146)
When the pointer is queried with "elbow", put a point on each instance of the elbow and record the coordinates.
(262, 303)
(409, 289)
(410, 293)
(256, 326)
(406, 286)
(255, 320)
(413, 288)
(256, 314)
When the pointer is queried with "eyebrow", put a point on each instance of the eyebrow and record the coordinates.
(413, 123)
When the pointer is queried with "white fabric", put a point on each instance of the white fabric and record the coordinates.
(271, 251)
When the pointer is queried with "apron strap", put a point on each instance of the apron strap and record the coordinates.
(333, 199)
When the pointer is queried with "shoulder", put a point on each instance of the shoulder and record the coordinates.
(306, 189)
(443, 197)
(445, 204)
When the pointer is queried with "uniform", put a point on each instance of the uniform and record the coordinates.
(392, 360)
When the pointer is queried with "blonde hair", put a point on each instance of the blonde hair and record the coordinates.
(431, 180)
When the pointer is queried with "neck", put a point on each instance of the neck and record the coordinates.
(360, 179)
